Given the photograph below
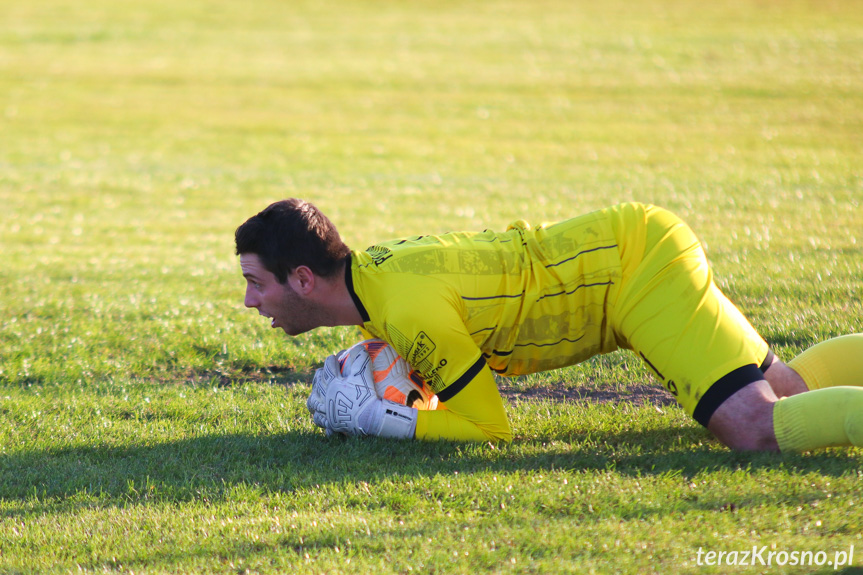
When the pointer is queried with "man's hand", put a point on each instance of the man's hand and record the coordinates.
(344, 401)
(333, 367)
(323, 376)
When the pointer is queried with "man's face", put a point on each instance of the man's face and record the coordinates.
(288, 310)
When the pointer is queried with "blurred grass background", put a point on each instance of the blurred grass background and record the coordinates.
(136, 136)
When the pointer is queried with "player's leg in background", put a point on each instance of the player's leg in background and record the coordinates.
(671, 312)
(755, 419)
(830, 413)
(784, 380)
(814, 401)
(831, 363)
(693, 338)
(744, 420)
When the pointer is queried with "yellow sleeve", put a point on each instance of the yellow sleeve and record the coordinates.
(366, 334)
(475, 413)
(424, 322)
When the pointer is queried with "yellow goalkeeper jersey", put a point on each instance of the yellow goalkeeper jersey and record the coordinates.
(525, 300)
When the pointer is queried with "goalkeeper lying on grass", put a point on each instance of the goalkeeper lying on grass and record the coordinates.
(460, 306)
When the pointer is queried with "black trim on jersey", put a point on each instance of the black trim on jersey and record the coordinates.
(550, 344)
(349, 282)
(581, 254)
(727, 386)
(608, 283)
(653, 367)
(498, 353)
(491, 240)
(452, 389)
(767, 361)
(484, 329)
(502, 353)
(513, 296)
(505, 296)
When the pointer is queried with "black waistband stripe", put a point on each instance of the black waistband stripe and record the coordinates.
(727, 386)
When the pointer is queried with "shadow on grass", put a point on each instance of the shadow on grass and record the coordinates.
(209, 468)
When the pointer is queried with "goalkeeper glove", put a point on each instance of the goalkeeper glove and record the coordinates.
(344, 401)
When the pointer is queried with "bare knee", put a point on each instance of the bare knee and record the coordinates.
(744, 421)
(784, 380)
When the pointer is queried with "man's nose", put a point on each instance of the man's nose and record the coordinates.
(251, 299)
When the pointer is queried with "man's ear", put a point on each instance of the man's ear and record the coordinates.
(302, 280)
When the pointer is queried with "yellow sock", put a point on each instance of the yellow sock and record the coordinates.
(821, 418)
(837, 361)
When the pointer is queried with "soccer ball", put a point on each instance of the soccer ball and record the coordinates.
(393, 377)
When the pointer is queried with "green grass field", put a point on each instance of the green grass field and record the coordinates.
(151, 424)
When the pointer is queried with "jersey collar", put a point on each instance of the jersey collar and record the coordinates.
(349, 282)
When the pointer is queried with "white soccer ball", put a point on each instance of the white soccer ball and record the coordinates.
(393, 377)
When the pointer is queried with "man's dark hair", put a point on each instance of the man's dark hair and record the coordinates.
(292, 233)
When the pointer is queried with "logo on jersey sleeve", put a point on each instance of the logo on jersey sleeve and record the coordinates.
(421, 348)
(379, 254)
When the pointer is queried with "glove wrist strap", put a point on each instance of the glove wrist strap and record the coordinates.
(395, 420)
